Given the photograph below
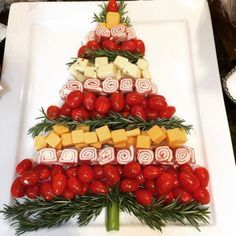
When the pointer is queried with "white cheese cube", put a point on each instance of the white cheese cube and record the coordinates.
(131, 70)
(120, 62)
(142, 64)
(105, 71)
(82, 62)
(77, 74)
(146, 74)
(90, 72)
(99, 61)
(118, 74)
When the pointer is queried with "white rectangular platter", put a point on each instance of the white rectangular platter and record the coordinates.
(41, 38)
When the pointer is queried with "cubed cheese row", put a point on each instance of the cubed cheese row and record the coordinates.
(82, 69)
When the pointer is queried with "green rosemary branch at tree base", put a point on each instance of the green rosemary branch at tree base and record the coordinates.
(32, 215)
(113, 120)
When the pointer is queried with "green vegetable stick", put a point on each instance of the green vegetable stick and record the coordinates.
(112, 216)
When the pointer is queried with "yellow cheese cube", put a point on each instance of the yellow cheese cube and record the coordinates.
(109, 142)
(80, 145)
(103, 133)
(133, 132)
(131, 141)
(39, 142)
(97, 145)
(176, 136)
(112, 19)
(90, 137)
(156, 134)
(85, 128)
(118, 136)
(52, 139)
(143, 141)
(77, 136)
(102, 24)
(121, 145)
(144, 133)
(60, 129)
(66, 140)
(59, 146)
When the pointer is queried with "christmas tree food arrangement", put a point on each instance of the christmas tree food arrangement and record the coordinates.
(114, 143)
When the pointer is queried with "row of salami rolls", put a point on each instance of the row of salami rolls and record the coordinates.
(118, 33)
(109, 85)
(160, 155)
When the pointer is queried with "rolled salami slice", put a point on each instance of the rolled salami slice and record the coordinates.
(184, 155)
(130, 33)
(47, 156)
(102, 31)
(143, 86)
(106, 155)
(70, 86)
(110, 85)
(164, 155)
(88, 154)
(69, 156)
(154, 89)
(93, 85)
(116, 30)
(126, 85)
(145, 156)
(92, 36)
(124, 156)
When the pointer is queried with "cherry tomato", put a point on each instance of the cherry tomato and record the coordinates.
(151, 114)
(144, 104)
(46, 190)
(168, 112)
(182, 195)
(132, 170)
(164, 183)
(93, 45)
(72, 171)
(111, 173)
(117, 102)
(185, 168)
(98, 187)
(150, 186)
(157, 96)
(119, 169)
(108, 183)
(143, 197)
(74, 98)
(125, 114)
(109, 45)
(95, 114)
(98, 172)
(82, 51)
(138, 111)
(134, 98)
(85, 173)
(102, 105)
(29, 178)
(79, 114)
(59, 182)
(67, 194)
(140, 179)
(157, 104)
(152, 172)
(128, 45)
(203, 176)
(33, 191)
(140, 46)
(74, 185)
(174, 172)
(89, 101)
(43, 171)
(201, 195)
(167, 197)
(112, 6)
(23, 166)
(57, 169)
(84, 190)
(129, 185)
(17, 188)
(65, 110)
(53, 112)
(188, 182)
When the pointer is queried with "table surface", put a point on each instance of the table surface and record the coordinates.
(224, 67)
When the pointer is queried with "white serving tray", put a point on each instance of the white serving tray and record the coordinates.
(41, 38)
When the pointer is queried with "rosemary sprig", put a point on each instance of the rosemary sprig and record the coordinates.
(101, 17)
(113, 120)
(32, 215)
(124, 19)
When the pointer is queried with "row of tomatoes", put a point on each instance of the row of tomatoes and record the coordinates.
(84, 105)
(133, 45)
(144, 182)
